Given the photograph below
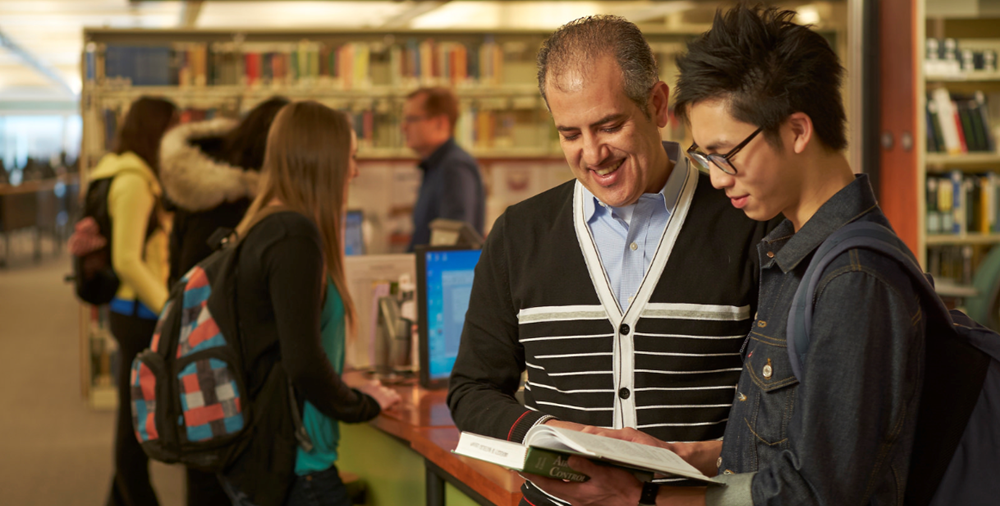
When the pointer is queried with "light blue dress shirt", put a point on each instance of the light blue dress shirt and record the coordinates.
(627, 237)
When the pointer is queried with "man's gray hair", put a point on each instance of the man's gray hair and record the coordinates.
(577, 44)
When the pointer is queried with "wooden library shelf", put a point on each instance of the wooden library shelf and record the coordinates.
(965, 160)
(962, 239)
(964, 77)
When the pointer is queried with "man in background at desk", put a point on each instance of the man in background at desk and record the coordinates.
(625, 294)
(452, 187)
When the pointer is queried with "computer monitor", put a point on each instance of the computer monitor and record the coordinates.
(354, 243)
(444, 284)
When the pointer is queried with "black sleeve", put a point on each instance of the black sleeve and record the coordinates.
(177, 232)
(294, 270)
(490, 357)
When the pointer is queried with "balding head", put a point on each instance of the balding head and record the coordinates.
(566, 55)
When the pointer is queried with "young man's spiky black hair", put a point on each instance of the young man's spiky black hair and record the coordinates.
(766, 68)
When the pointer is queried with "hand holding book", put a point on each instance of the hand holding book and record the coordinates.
(547, 447)
(702, 455)
(611, 486)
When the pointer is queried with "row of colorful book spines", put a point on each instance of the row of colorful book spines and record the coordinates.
(455, 65)
(963, 203)
(972, 122)
(437, 60)
(453, 62)
(284, 68)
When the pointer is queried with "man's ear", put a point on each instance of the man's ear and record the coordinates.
(441, 123)
(800, 128)
(658, 105)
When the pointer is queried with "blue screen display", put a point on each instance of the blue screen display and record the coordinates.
(449, 285)
(354, 243)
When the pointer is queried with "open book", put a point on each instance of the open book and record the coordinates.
(547, 449)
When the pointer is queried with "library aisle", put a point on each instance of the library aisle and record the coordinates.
(54, 449)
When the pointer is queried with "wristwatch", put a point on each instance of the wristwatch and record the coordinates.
(648, 496)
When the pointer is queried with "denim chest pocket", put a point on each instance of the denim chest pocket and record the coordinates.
(772, 386)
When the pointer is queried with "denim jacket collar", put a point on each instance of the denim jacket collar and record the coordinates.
(790, 247)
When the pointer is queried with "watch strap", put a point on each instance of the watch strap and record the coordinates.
(648, 496)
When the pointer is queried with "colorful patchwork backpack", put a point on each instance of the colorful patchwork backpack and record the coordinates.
(189, 399)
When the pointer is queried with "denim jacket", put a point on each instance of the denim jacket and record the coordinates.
(843, 434)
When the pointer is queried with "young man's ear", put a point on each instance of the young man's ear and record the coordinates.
(800, 130)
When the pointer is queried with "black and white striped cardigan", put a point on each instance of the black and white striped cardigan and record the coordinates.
(668, 365)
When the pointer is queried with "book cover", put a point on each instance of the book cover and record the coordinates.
(987, 204)
(973, 201)
(934, 126)
(526, 459)
(933, 215)
(984, 119)
(932, 146)
(946, 115)
(551, 464)
(958, 203)
(945, 206)
(642, 460)
(979, 130)
(962, 144)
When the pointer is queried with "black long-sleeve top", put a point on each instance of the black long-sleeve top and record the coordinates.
(279, 298)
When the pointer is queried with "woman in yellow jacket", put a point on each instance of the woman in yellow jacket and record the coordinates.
(139, 259)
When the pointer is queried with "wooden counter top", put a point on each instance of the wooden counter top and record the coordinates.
(423, 420)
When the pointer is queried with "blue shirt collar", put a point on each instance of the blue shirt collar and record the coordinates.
(670, 191)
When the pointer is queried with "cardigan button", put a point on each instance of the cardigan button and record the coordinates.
(624, 329)
(624, 393)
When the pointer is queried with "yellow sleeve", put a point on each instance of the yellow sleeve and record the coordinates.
(130, 201)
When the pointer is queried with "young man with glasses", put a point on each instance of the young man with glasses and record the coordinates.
(452, 186)
(762, 96)
(626, 293)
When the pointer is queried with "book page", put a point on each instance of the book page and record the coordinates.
(546, 436)
(500, 452)
(615, 450)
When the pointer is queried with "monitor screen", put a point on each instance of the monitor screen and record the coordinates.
(354, 243)
(444, 283)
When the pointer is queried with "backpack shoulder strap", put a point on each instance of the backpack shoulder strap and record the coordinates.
(867, 235)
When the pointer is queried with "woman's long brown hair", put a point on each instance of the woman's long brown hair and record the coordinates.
(307, 168)
(148, 118)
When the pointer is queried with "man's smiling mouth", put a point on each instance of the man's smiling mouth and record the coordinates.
(609, 170)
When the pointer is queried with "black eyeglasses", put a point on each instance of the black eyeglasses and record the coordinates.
(723, 162)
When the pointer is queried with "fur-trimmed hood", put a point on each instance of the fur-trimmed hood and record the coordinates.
(193, 180)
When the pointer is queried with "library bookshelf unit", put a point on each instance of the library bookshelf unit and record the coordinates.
(958, 160)
(367, 73)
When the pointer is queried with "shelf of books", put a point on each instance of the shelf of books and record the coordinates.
(961, 160)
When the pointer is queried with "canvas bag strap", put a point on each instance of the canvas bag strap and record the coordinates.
(867, 235)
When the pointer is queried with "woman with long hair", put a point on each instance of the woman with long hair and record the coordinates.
(294, 309)
(139, 259)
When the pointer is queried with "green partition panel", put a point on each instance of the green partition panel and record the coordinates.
(393, 472)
